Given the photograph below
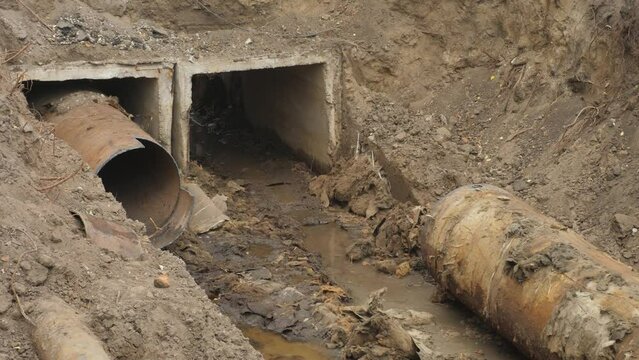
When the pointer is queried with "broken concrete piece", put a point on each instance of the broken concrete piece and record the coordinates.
(111, 236)
(208, 214)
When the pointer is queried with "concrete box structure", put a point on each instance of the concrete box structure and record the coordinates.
(295, 97)
(144, 89)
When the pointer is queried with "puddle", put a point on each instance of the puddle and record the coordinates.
(275, 347)
(411, 292)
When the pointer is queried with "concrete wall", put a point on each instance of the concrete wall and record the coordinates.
(291, 103)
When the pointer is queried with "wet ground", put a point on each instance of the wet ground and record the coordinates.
(270, 266)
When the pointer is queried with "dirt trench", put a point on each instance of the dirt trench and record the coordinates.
(538, 97)
(291, 272)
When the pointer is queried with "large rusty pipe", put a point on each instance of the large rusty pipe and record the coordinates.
(539, 284)
(137, 170)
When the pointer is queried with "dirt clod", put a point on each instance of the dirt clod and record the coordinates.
(162, 281)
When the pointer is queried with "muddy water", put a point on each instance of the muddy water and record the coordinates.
(274, 347)
(271, 179)
(411, 292)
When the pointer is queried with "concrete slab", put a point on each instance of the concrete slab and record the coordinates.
(297, 100)
(145, 88)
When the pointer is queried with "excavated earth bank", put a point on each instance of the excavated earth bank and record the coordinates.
(536, 96)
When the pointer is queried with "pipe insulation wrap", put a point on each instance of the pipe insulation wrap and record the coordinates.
(539, 284)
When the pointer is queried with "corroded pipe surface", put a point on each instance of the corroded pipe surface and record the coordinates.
(539, 284)
(137, 170)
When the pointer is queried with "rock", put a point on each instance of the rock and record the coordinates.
(442, 134)
(45, 260)
(55, 239)
(27, 128)
(20, 288)
(264, 309)
(360, 250)
(520, 185)
(403, 269)
(259, 274)
(267, 286)
(25, 265)
(63, 25)
(282, 321)
(37, 275)
(4, 325)
(624, 224)
(289, 295)
(81, 35)
(388, 266)
(162, 281)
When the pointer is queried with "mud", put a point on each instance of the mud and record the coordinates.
(280, 264)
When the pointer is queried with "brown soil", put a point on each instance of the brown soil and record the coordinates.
(538, 97)
(44, 252)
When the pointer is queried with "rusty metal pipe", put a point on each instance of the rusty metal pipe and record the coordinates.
(539, 284)
(137, 170)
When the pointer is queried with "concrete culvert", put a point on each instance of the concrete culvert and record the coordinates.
(139, 172)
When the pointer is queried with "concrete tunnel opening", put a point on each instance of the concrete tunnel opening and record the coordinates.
(110, 123)
(287, 104)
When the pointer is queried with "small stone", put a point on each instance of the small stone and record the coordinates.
(5, 301)
(162, 281)
(520, 185)
(403, 269)
(45, 260)
(20, 288)
(259, 274)
(627, 254)
(25, 265)
(442, 134)
(4, 325)
(289, 295)
(37, 275)
(81, 35)
(55, 239)
(63, 24)
(27, 128)
(624, 223)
